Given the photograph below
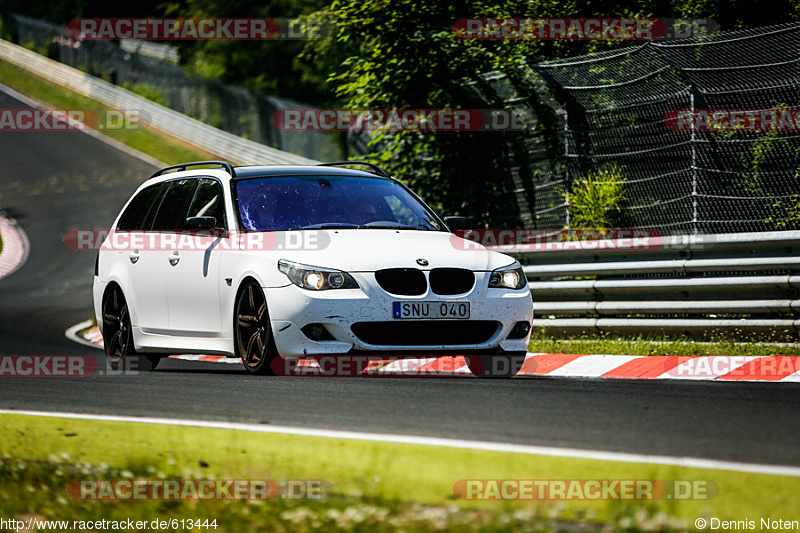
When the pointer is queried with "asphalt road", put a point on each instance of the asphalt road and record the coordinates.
(56, 181)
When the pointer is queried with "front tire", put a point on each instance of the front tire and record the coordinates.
(253, 333)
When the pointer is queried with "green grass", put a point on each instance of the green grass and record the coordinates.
(147, 91)
(375, 486)
(611, 344)
(153, 143)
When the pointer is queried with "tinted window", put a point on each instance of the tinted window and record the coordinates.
(208, 202)
(151, 216)
(305, 202)
(133, 217)
(172, 212)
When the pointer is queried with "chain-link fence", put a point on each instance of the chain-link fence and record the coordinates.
(537, 167)
(643, 117)
(230, 108)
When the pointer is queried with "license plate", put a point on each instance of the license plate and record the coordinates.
(433, 310)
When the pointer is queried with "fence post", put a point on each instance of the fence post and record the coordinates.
(699, 155)
(567, 176)
(693, 144)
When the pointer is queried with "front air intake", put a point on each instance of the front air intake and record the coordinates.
(449, 281)
(402, 281)
(426, 332)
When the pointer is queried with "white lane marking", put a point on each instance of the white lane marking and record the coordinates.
(409, 366)
(690, 462)
(16, 247)
(208, 358)
(792, 377)
(592, 366)
(72, 334)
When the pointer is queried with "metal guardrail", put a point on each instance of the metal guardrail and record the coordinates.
(221, 144)
(742, 282)
(162, 52)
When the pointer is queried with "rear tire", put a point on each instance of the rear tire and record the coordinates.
(117, 334)
(502, 365)
(253, 340)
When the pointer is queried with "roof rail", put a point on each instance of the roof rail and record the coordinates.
(177, 168)
(375, 168)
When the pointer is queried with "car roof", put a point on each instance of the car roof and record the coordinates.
(258, 171)
(263, 171)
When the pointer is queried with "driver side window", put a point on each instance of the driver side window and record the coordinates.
(209, 201)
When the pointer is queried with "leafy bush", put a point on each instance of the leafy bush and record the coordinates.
(148, 91)
(595, 198)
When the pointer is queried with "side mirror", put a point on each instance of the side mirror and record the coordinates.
(456, 223)
(201, 223)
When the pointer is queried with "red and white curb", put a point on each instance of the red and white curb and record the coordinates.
(15, 247)
(720, 368)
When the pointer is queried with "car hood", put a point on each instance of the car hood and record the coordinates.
(362, 250)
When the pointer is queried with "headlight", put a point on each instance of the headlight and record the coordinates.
(316, 278)
(509, 277)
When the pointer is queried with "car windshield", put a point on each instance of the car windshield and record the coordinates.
(317, 202)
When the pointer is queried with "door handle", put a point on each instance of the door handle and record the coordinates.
(174, 258)
(134, 256)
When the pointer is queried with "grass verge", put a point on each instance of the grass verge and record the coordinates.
(656, 346)
(153, 143)
(375, 486)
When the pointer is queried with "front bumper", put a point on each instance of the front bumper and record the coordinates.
(360, 320)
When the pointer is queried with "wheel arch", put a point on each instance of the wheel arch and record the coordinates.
(111, 286)
(113, 281)
(243, 281)
(270, 352)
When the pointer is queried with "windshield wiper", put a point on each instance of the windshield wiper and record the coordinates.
(328, 225)
(389, 225)
(379, 224)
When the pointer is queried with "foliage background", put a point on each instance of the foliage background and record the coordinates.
(404, 54)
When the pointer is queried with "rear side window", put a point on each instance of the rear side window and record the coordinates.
(208, 202)
(172, 212)
(133, 217)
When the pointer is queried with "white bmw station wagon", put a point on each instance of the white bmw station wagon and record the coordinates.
(265, 262)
